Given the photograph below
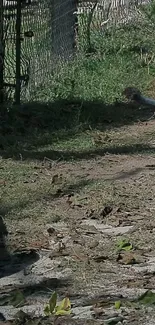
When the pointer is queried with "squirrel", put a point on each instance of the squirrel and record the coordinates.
(134, 94)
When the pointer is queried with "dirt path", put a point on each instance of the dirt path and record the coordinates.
(78, 232)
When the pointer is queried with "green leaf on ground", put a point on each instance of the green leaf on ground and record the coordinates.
(47, 310)
(147, 298)
(17, 299)
(64, 308)
(117, 304)
(52, 302)
(125, 245)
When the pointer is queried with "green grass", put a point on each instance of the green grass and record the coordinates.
(82, 93)
(99, 77)
(115, 62)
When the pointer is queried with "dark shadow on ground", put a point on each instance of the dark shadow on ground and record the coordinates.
(70, 189)
(4, 254)
(28, 123)
(12, 263)
(84, 154)
(128, 174)
(17, 261)
(7, 208)
(46, 286)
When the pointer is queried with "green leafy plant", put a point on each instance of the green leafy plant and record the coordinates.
(64, 308)
(117, 304)
(125, 245)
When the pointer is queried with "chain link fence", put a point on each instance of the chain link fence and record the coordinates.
(40, 38)
(36, 35)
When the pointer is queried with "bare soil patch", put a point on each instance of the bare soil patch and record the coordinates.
(75, 215)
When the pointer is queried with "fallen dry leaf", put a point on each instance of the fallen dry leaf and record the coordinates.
(105, 211)
(100, 258)
(90, 213)
(69, 199)
(54, 254)
(3, 182)
(57, 179)
(97, 312)
(127, 258)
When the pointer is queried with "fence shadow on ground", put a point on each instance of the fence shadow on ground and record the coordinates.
(88, 154)
(84, 154)
(26, 125)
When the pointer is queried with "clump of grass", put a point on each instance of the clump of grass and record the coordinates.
(99, 77)
(118, 60)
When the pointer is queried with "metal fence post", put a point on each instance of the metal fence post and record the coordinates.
(18, 53)
(1, 51)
